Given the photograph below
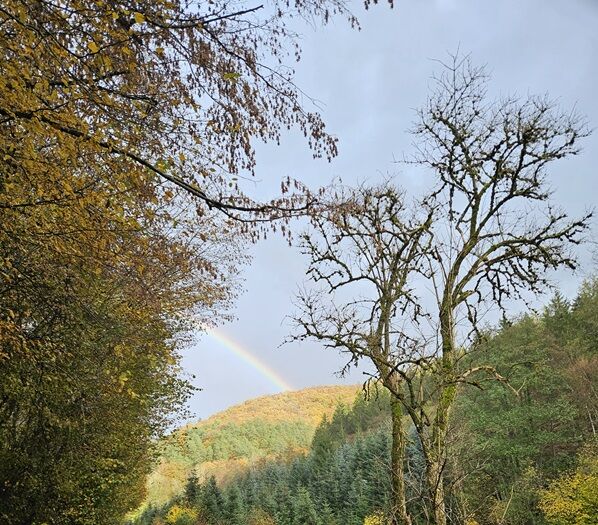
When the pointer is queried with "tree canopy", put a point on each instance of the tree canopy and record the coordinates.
(139, 93)
(123, 129)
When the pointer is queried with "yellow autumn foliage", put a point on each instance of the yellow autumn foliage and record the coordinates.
(309, 405)
(374, 519)
(573, 499)
(179, 515)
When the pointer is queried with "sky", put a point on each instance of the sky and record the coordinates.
(367, 85)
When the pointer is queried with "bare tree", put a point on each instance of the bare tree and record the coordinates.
(488, 234)
(363, 253)
(496, 234)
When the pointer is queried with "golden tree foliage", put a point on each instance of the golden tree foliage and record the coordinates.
(573, 499)
(122, 124)
(178, 515)
(140, 92)
(374, 519)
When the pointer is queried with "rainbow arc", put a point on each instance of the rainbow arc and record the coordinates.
(252, 360)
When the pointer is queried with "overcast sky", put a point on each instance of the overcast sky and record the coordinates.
(368, 83)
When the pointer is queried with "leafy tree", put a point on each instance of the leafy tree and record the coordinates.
(374, 519)
(153, 91)
(178, 515)
(89, 364)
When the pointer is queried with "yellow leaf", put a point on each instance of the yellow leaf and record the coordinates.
(139, 18)
(231, 76)
(93, 47)
(123, 378)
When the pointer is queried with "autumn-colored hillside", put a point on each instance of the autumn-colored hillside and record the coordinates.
(276, 426)
(308, 405)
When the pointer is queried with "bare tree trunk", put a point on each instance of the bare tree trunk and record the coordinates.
(436, 453)
(399, 513)
(434, 478)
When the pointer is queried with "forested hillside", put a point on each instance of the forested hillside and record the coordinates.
(272, 427)
(525, 451)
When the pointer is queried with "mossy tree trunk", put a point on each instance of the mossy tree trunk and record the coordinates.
(399, 514)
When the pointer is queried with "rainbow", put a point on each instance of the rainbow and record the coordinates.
(235, 348)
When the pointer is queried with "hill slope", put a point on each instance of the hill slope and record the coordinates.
(277, 426)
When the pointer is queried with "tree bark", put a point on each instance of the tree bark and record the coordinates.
(399, 513)
(435, 449)
(434, 478)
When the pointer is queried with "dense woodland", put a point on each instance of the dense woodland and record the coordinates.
(273, 427)
(520, 458)
(125, 128)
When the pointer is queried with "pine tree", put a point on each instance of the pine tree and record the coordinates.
(236, 510)
(304, 511)
(211, 502)
(192, 489)
(326, 515)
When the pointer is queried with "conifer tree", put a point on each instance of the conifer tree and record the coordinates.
(192, 489)
(211, 503)
(304, 511)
